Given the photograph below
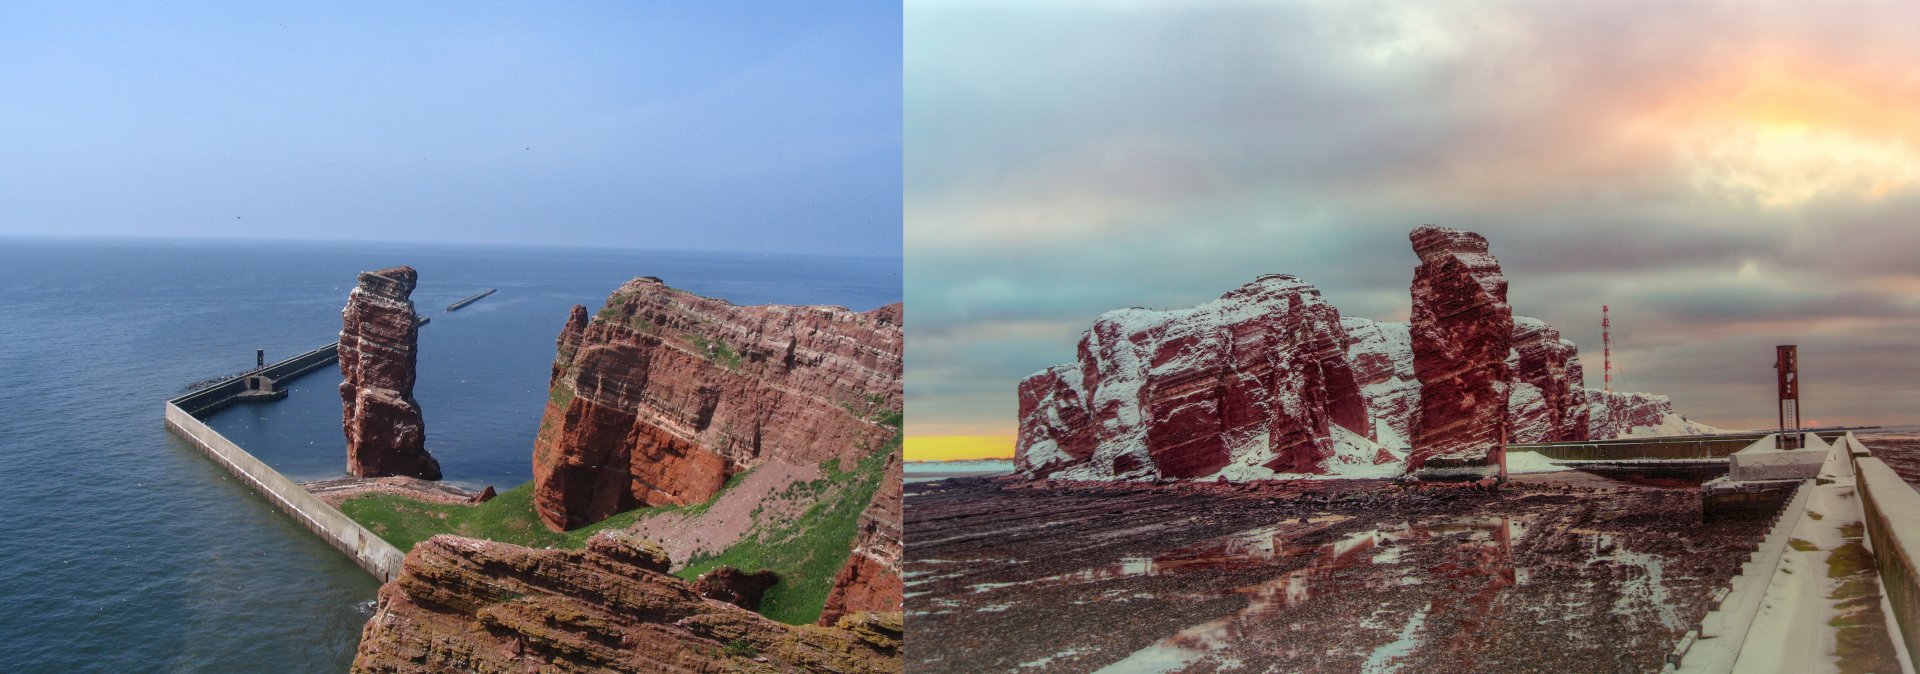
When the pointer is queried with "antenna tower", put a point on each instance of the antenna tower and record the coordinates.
(1606, 348)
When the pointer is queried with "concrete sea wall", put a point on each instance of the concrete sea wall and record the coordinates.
(371, 552)
(183, 414)
(218, 396)
(1892, 514)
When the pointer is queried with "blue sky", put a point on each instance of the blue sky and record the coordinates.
(743, 126)
(1728, 176)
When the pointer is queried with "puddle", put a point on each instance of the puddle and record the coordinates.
(1481, 547)
(1380, 661)
(1456, 554)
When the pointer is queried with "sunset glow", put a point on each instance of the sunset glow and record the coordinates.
(958, 447)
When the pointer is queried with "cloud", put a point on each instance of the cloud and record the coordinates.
(1727, 176)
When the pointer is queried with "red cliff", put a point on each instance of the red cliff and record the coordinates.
(664, 394)
(1253, 384)
(378, 348)
(1548, 402)
(870, 580)
(1270, 381)
(1462, 329)
(1622, 415)
(1381, 354)
(477, 606)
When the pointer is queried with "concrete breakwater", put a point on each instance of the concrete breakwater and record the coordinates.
(224, 392)
(471, 299)
(184, 417)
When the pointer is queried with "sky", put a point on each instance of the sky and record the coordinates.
(1726, 176)
(761, 127)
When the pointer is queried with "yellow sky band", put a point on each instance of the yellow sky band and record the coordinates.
(958, 447)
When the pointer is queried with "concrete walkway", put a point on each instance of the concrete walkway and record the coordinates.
(1820, 608)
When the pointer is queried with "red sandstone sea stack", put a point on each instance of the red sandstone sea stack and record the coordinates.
(378, 348)
(1462, 329)
(1270, 381)
(664, 394)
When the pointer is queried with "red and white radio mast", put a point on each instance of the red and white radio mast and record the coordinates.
(1606, 349)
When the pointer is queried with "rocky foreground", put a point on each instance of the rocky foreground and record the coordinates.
(477, 606)
(1556, 573)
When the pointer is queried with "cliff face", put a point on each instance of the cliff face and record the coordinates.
(871, 581)
(1626, 415)
(1462, 329)
(1252, 384)
(1381, 354)
(478, 606)
(664, 394)
(378, 349)
(1548, 401)
(1265, 381)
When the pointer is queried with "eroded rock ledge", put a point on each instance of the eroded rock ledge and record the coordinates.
(663, 394)
(477, 606)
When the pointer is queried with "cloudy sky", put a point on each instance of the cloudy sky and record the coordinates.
(1727, 176)
(723, 126)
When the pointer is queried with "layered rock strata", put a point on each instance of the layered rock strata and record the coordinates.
(1462, 329)
(1381, 355)
(378, 349)
(733, 586)
(1624, 415)
(664, 394)
(1167, 394)
(1254, 383)
(477, 606)
(870, 580)
(1548, 401)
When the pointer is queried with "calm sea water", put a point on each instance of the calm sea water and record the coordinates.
(123, 549)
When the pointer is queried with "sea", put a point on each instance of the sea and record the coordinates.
(124, 549)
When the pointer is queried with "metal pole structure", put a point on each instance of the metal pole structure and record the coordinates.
(1606, 349)
(1787, 366)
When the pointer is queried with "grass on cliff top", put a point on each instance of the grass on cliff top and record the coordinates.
(808, 551)
(508, 518)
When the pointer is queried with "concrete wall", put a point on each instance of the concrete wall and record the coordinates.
(1672, 447)
(216, 397)
(371, 552)
(1616, 450)
(1764, 460)
(1892, 510)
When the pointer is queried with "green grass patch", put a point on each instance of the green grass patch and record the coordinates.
(869, 408)
(508, 518)
(808, 551)
(614, 306)
(715, 350)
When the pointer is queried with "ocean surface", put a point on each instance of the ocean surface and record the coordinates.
(928, 471)
(122, 548)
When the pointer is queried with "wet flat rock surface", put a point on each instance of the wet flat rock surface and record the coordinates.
(1901, 451)
(1330, 576)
